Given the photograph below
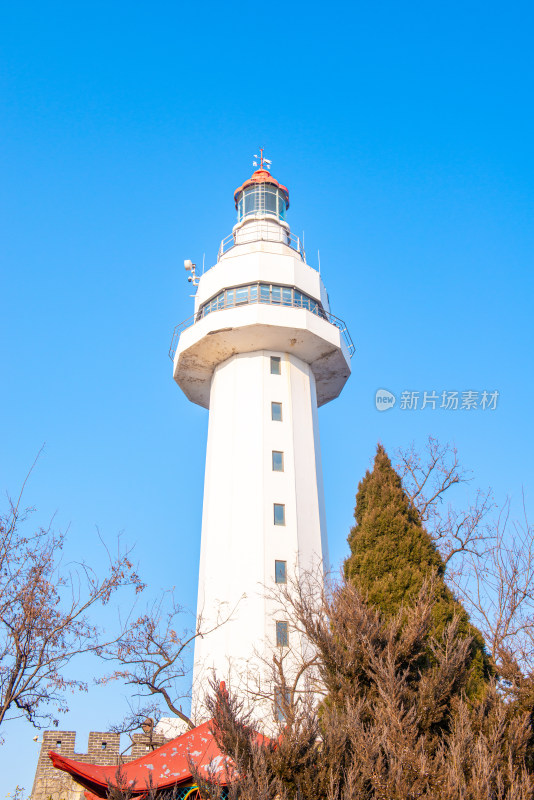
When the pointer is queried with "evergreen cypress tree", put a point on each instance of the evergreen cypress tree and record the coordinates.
(392, 554)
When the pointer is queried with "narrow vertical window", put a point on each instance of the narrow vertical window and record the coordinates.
(280, 571)
(279, 514)
(282, 700)
(282, 634)
(275, 365)
(278, 461)
(276, 412)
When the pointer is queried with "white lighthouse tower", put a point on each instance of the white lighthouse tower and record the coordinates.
(262, 352)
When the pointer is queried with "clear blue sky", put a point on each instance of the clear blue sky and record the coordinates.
(404, 133)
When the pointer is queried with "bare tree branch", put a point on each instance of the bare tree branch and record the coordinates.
(427, 478)
(45, 616)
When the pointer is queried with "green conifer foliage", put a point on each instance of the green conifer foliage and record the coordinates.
(392, 554)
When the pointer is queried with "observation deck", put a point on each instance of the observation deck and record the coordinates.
(266, 294)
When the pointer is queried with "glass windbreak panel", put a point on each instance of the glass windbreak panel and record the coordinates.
(241, 295)
(265, 293)
(207, 310)
(287, 296)
(314, 308)
(220, 300)
(230, 297)
(276, 412)
(279, 514)
(298, 298)
(275, 365)
(278, 461)
(276, 294)
(280, 571)
(305, 301)
(270, 200)
(282, 634)
(240, 209)
(254, 293)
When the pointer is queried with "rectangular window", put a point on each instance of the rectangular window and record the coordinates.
(287, 296)
(282, 634)
(278, 461)
(241, 295)
(276, 368)
(282, 700)
(276, 412)
(254, 293)
(279, 514)
(280, 571)
(265, 293)
(276, 294)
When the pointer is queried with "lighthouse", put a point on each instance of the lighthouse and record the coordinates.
(262, 352)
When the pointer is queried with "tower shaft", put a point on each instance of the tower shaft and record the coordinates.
(263, 523)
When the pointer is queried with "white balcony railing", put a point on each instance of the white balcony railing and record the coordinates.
(261, 233)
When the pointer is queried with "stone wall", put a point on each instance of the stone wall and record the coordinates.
(103, 748)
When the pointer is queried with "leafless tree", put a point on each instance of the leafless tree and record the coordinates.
(427, 477)
(154, 657)
(45, 616)
(498, 590)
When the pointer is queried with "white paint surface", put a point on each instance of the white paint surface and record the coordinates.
(240, 542)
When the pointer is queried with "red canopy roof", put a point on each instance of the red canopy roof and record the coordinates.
(262, 176)
(167, 765)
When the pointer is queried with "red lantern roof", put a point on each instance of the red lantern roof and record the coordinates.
(262, 176)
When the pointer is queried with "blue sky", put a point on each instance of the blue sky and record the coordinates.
(404, 133)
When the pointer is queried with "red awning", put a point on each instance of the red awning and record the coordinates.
(167, 765)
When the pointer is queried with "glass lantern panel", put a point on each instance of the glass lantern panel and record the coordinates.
(270, 200)
(281, 206)
(251, 201)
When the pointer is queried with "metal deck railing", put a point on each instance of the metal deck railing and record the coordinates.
(292, 302)
(262, 234)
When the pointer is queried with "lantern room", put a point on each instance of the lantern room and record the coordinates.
(263, 196)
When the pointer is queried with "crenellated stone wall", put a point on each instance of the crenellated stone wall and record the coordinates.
(103, 748)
